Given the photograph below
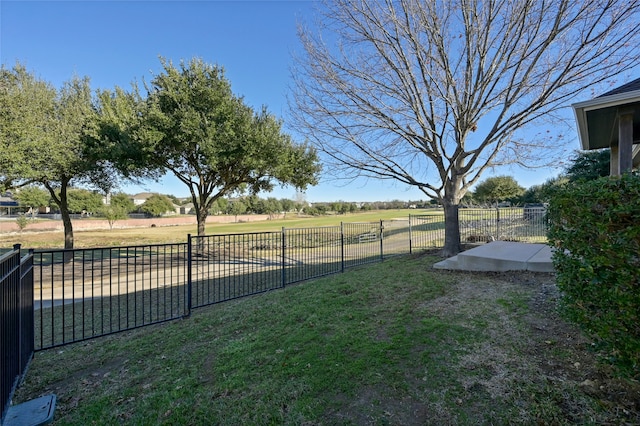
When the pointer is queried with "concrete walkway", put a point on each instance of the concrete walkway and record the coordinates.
(501, 256)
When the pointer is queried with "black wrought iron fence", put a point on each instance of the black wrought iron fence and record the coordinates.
(225, 267)
(85, 293)
(312, 252)
(426, 231)
(16, 322)
(503, 224)
(525, 224)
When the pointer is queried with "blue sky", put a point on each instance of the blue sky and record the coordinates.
(117, 42)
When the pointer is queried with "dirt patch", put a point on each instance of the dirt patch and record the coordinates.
(529, 362)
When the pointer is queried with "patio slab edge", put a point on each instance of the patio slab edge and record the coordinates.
(501, 256)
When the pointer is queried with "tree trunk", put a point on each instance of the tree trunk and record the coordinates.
(63, 205)
(201, 215)
(66, 221)
(66, 217)
(68, 228)
(451, 230)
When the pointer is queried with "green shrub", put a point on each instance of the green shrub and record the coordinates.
(22, 222)
(114, 213)
(595, 228)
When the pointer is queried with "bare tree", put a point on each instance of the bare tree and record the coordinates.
(432, 93)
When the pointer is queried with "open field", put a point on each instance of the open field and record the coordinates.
(394, 343)
(178, 234)
(476, 225)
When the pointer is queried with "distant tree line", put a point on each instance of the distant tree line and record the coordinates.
(83, 201)
(584, 166)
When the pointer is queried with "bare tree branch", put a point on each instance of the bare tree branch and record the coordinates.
(432, 94)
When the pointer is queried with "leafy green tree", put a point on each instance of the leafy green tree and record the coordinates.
(219, 206)
(299, 207)
(321, 208)
(467, 200)
(82, 200)
(589, 165)
(396, 204)
(237, 207)
(32, 197)
(123, 201)
(114, 213)
(22, 222)
(498, 188)
(116, 130)
(268, 206)
(257, 206)
(252, 202)
(287, 205)
(543, 193)
(157, 205)
(43, 135)
(312, 211)
(272, 206)
(192, 125)
(173, 199)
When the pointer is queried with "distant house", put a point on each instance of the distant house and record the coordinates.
(140, 198)
(612, 120)
(186, 209)
(8, 205)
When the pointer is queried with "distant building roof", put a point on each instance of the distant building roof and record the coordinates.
(8, 202)
(143, 195)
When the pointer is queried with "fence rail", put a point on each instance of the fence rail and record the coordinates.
(16, 322)
(85, 293)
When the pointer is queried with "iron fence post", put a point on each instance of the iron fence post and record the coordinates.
(284, 269)
(410, 242)
(189, 275)
(381, 248)
(341, 246)
(25, 305)
(19, 306)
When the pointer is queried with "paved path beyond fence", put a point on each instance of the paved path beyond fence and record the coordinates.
(502, 256)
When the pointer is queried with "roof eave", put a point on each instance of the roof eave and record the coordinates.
(580, 110)
(583, 131)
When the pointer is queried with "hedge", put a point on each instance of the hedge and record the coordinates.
(595, 229)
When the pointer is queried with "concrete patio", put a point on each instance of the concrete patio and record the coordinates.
(501, 256)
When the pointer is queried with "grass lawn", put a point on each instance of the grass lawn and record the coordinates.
(392, 343)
